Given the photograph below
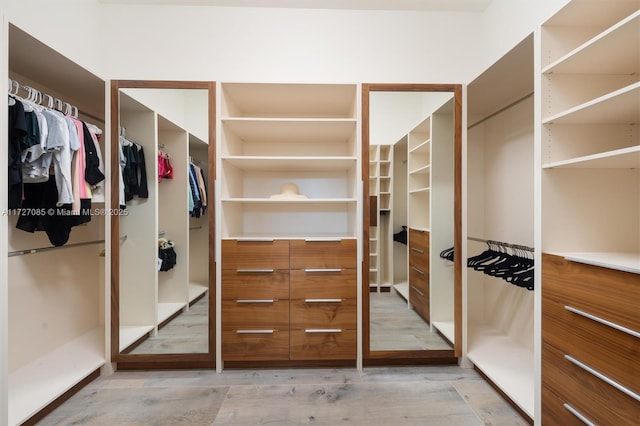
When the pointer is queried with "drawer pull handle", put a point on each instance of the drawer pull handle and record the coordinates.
(603, 321)
(255, 331)
(323, 240)
(255, 271)
(578, 414)
(255, 240)
(322, 300)
(417, 250)
(417, 270)
(322, 270)
(323, 330)
(255, 300)
(417, 290)
(602, 377)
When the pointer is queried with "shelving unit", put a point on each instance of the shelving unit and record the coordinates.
(272, 134)
(380, 187)
(590, 134)
(499, 330)
(148, 297)
(589, 205)
(56, 297)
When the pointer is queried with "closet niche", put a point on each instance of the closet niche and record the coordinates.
(161, 285)
(412, 136)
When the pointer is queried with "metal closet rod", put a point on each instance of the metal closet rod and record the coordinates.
(50, 248)
(514, 246)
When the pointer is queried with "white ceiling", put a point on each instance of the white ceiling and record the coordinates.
(428, 5)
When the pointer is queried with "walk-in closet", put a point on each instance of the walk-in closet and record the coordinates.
(56, 227)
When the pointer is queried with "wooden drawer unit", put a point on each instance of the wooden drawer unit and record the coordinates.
(320, 343)
(255, 255)
(323, 313)
(594, 398)
(255, 345)
(419, 249)
(609, 351)
(606, 293)
(323, 254)
(256, 313)
(327, 283)
(255, 285)
(556, 411)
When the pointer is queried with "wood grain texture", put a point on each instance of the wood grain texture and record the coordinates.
(255, 347)
(323, 346)
(419, 302)
(255, 285)
(246, 316)
(554, 412)
(255, 254)
(323, 315)
(594, 398)
(341, 284)
(323, 254)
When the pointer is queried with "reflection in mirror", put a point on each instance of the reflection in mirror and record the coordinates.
(411, 177)
(164, 248)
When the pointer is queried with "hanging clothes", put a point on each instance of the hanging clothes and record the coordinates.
(133, 172)
(165, 169)
(17, 124)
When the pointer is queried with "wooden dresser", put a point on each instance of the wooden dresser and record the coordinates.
(289, 300)
(419, 272)
(590, 344)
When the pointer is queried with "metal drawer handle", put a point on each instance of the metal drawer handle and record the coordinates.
(255, 331)
(602, 377)
(255, 300)
(418, 250)
(417, 291)
(323, 330)
(578, 414)
(323, 240)
(322, 270)
(322, 300)
(417, 270)
(254, 271)
(255, 240)
(603, 321)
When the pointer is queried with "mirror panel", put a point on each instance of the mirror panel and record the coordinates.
(412, 136)
(162, 284)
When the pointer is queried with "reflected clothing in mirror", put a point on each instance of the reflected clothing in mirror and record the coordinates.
(401, 237)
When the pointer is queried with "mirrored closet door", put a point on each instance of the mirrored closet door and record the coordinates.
(413, 140)
(162, 282)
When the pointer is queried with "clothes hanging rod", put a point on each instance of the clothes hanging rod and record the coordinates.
(41, 249)
(493, 114)
(515, 246)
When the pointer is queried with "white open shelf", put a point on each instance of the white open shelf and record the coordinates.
(621, 106)
(419, 191)
(628, 262)
(421, 170)
(265, 163)
(36, 385)
(606, 47)
(291, 130)
(130, 334)
(507, 364)
(402, 289)
(196, 290)
(447, 329)
(625, 158)
(167, 309)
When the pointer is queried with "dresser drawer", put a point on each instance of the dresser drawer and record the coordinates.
(555, 413)
(323, 254)
(594, 398)
(318, 283)
(605, 349)
(255, 285)
(320, 343)
(419, 300)
(323, 313)
(419, 278)
(419, 240)
(606, 293)
(255, 255)
(419, 260)
(255, 345)
(249, 314)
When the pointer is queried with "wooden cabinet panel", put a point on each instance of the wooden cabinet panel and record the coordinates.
(419, 300)
(554, 412)
(609, 351)
(323, 284)
(255, 285)
(315, 344)
(323, 313)
(609, 294)
(419, 278)
(420, 240)
(248, 314)
(323, 254)
(260, 345)
(251, 255)
(591, 396)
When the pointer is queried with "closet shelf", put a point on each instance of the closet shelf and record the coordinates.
(167, 309)
(289, 201)
(271, 130)
(509, 365)
(618, 107)
(129, 334)
(421, 170)
(602, 54)
(421, 148)
(196, 290)
(283, 163)
(419, 191)
(33, 387)
(625, 158)
(447, 329)
(627, 262)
